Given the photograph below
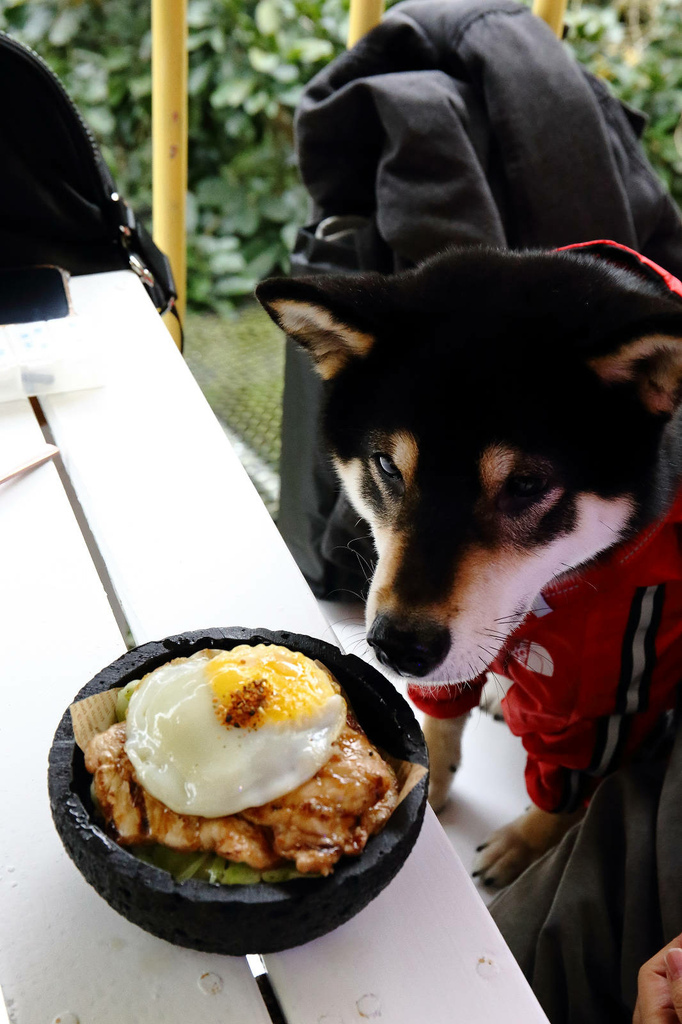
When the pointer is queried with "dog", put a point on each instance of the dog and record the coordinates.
(507, 423)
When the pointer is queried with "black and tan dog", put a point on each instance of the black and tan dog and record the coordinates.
(507, 425)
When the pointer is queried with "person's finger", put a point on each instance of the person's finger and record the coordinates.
(654, 995)
(673, 964)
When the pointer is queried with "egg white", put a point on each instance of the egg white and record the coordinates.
(187, 759)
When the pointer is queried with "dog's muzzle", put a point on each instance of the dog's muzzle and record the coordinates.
(413, 650)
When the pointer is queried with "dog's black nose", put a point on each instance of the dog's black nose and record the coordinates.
(411, 650)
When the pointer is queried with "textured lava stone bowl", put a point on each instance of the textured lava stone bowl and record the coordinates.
(239, 919)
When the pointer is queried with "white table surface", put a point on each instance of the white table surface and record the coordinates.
(187, 544)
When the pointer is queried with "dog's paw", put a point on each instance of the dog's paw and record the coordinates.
(439, 789)
(514, 847)
(444, 740)
(503, 857)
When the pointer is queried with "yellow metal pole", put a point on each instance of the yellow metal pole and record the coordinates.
(551, 11)
(364, 15)
(169, 141)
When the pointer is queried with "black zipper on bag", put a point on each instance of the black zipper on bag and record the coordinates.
(94, 161)
(118, 213)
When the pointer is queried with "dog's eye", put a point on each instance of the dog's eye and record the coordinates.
(527, 486)
(387, 466)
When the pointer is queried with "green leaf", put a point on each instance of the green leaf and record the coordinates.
(261, 60)
(255, 103)
(100, 119)
(285, 73)
(196, 40)
(117, 59)
(265, 262)
(140, 87)
(240, 124)
(65, 26)
(200, 13)
(289, 233)
(242, 222)
(210, 244)
(197, 78)
(213, 192)
(191, 213)
(227, 263)
(218, 40)
(117, 91)
(232, 286)
(267, 17)
(240, 874)
(291, 97)
(309, 51)
(90, 83)
(232, 93)
(37, 24)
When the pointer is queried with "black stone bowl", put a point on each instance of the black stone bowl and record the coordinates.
(239, 919)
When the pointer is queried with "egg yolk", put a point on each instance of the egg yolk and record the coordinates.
(255, 685)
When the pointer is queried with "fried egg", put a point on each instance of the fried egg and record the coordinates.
(224, 730)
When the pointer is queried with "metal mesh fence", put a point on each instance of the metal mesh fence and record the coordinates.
(239, 365)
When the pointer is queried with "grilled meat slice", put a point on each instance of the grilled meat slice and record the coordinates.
(135, 816)
(332, 814)
(336, 811)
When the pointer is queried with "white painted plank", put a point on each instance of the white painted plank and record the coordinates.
(61, 947)
(425, 951)
(186, 539)
(188, 544)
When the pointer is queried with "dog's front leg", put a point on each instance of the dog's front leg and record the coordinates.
(514, 847)
(444, 740)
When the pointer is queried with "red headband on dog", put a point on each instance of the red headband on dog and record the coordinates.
(601, 248)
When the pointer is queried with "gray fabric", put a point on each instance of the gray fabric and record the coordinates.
(454, 122)
(469, 122)
(583, 920)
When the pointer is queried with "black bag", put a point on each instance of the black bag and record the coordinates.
(58, 201)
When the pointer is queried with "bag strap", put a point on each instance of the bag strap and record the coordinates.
(145, 258)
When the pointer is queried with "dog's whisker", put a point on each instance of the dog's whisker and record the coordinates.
(361, 558)
(328, 632)
(560, 576)
(346, 590)
(498, 686)
(366, 565)
(500, 637)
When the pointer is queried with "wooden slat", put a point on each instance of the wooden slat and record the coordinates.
(188, 543)
(61, 947)
(185, 537)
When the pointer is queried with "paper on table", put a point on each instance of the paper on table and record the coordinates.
(93, 715)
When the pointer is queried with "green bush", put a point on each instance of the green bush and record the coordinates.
(248, 63)
(637, 48)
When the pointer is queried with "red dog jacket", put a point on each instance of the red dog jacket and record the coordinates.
(596, 665)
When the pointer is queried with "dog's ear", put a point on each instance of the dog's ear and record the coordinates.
(653, 363)
(317, 321)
